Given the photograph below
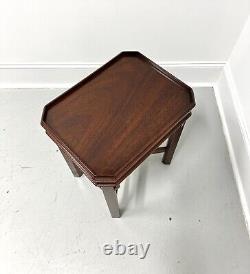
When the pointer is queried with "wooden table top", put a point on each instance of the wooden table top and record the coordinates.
(117, 116)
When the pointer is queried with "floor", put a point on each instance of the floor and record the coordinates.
(189, 212)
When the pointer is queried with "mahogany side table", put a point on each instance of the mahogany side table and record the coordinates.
(112, 120)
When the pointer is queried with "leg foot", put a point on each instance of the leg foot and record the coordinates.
(171, 145)
(73, 167)
(110, 196)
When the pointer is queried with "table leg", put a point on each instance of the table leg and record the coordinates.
(73, 167)
(110, 196)
(171, 145)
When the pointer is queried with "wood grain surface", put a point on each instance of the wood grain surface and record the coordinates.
(116, 117)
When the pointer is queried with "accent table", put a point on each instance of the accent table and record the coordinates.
(111, 121)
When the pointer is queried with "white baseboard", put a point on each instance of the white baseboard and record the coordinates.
(236, 136)
(66, 75)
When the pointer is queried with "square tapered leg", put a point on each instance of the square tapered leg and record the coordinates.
(73, 167)
(171, 145)
(110, 195)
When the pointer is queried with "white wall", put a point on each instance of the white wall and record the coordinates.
(79, 31)
(239, 69)
(233, 97)
(239, 64)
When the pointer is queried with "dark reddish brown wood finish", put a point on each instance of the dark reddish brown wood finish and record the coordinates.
(171, 146)
(116, 117)
(73, 167)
